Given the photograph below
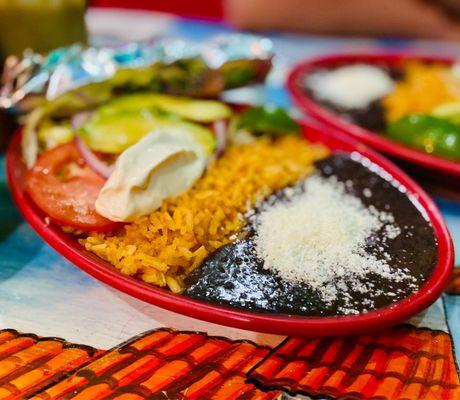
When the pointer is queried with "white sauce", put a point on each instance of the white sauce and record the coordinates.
(163, 164)
(350, 87)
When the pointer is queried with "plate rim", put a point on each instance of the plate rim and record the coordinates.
(67, 246)
(332, 120)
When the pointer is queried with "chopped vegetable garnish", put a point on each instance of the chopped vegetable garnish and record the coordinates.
(268, 119)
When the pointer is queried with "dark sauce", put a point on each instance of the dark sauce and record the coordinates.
(234, 275)
(371, 117)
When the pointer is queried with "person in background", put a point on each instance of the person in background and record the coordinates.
(428, 19)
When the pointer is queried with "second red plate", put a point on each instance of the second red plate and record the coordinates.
(430, 165)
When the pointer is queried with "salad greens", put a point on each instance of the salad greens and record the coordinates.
(267, 119)
(116, 125)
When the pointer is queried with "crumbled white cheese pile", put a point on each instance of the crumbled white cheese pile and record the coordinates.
(318, 237)
(350, 87)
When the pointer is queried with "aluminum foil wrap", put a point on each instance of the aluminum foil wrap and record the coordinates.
(80, 77)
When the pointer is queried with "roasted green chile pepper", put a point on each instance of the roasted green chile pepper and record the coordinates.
(431, 134)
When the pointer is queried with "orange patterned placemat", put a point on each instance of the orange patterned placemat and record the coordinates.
(29, 363)
(164, 362)
(405, 363)
(168, 364)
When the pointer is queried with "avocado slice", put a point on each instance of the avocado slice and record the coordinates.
(114, 133)
(203, 111)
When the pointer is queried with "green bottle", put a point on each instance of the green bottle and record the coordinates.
(41, 25)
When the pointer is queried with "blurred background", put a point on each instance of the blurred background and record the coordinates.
(43, 25)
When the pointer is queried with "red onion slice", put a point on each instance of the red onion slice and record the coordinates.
(94, 162)
(220, 130)
(80, 118)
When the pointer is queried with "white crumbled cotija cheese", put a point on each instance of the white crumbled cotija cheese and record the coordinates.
(318, 237)
(350, 87)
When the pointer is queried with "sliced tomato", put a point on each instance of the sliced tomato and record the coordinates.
(65, 188)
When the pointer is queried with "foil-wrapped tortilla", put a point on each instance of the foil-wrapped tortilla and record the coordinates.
(93, 75)
(76, 78)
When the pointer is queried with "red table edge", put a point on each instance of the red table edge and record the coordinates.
(206, 10)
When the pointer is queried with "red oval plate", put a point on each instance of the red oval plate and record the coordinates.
(427, 162)
(68, 246)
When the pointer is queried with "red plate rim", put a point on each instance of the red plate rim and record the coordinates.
(372, 139)
(69, 247)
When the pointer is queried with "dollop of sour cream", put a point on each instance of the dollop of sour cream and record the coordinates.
(163, 164)
(352, 86)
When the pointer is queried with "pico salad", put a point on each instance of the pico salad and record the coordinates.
(99, 168)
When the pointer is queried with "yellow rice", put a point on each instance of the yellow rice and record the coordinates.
(163, 247)
(424, 87)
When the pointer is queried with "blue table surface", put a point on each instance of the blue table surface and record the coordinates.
(34, 278)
